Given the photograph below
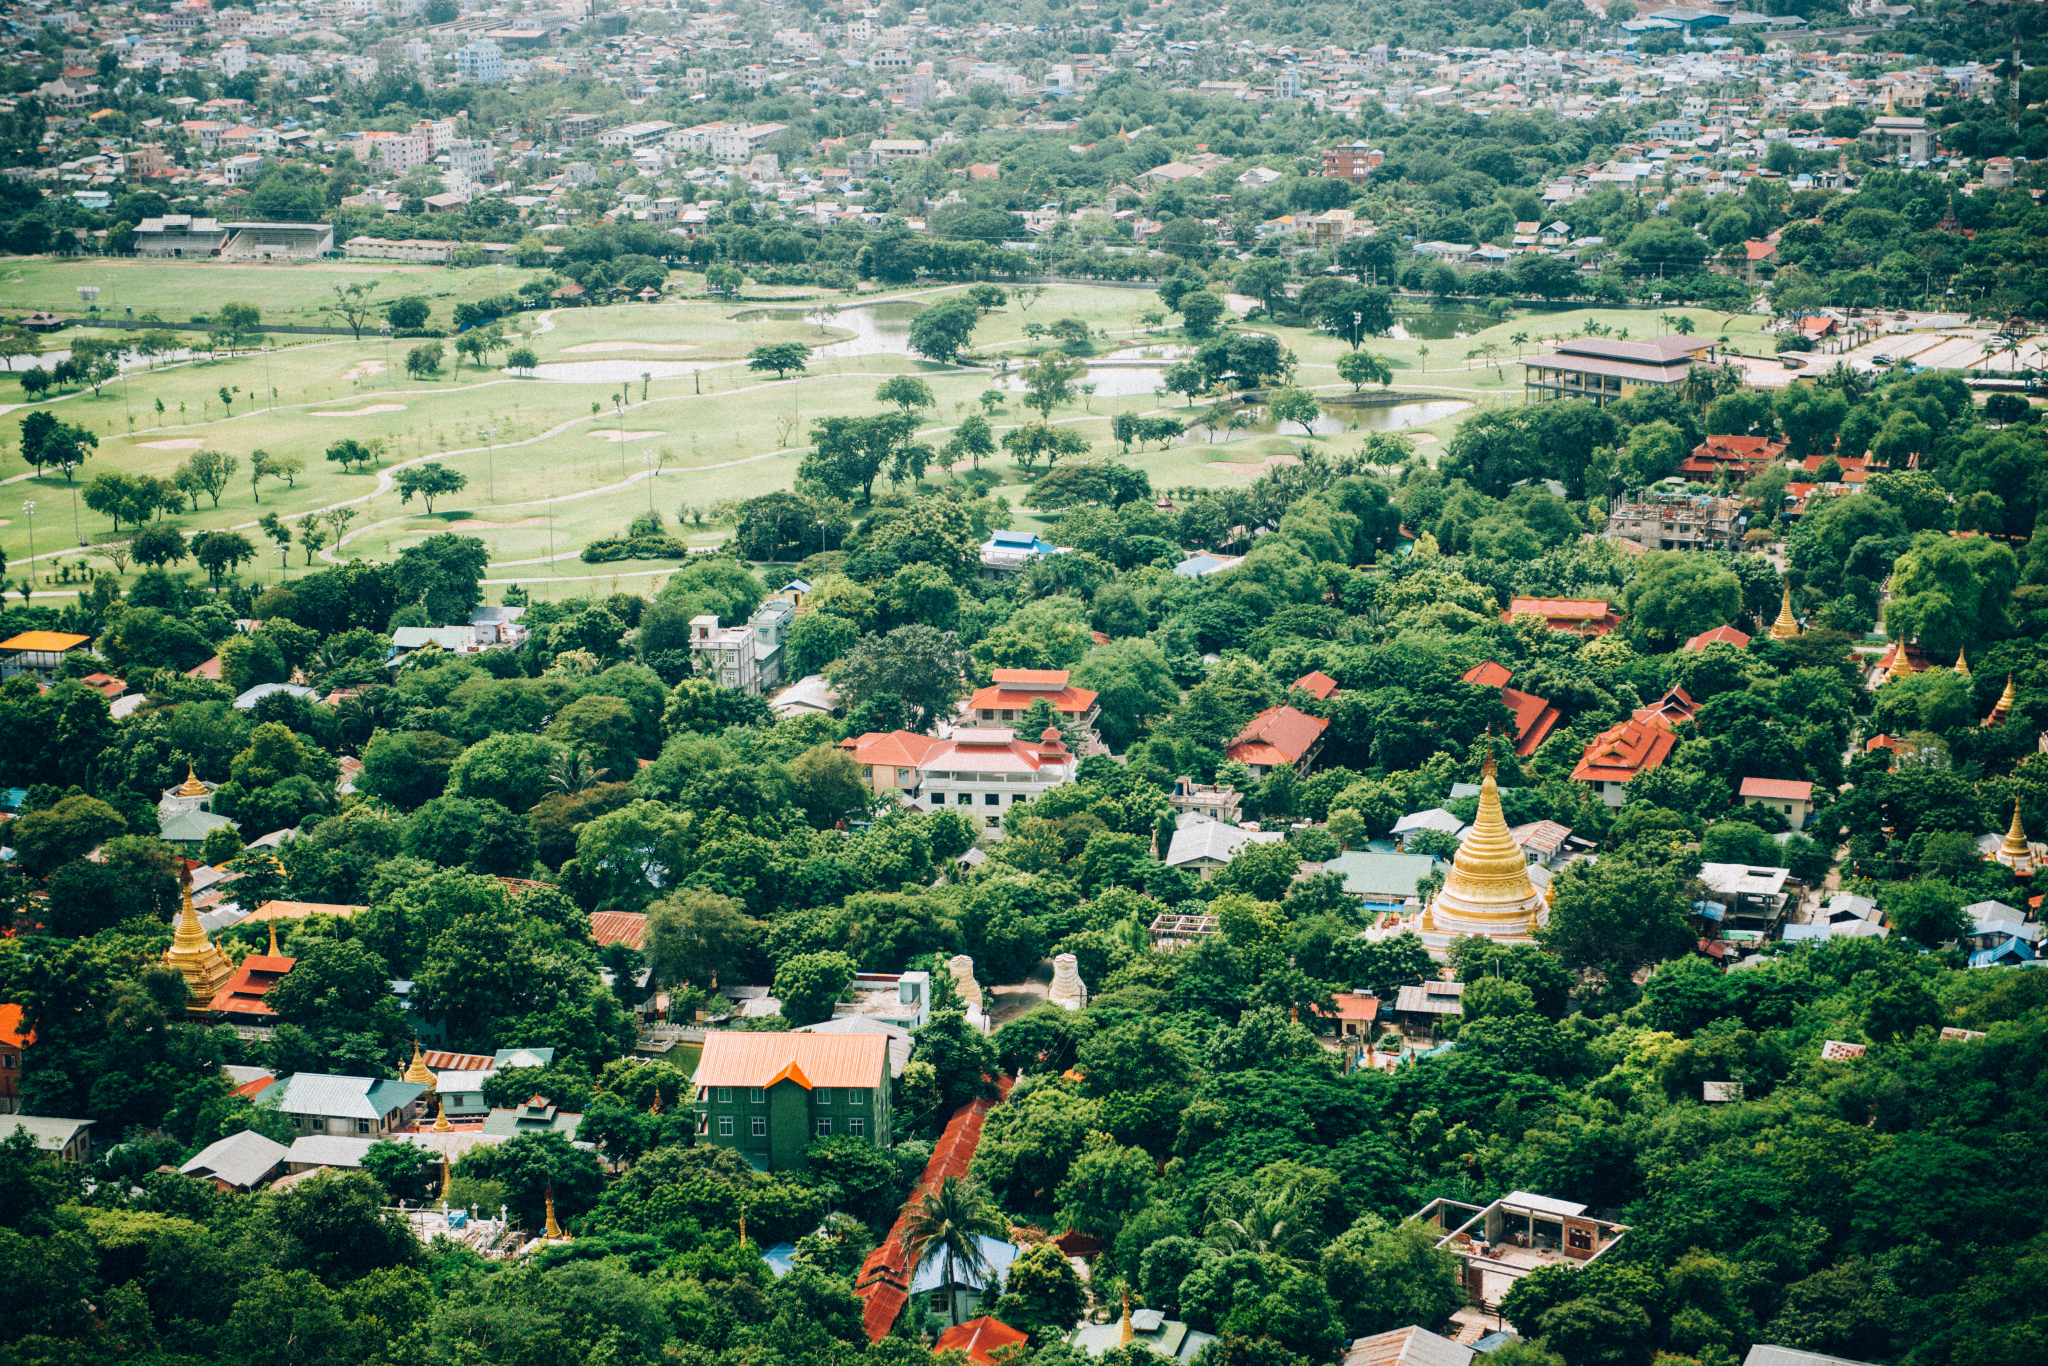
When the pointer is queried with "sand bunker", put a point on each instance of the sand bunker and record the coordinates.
(364, 412)
(1420, 438)
(589, 347)
(472, 524)
(616, 437)
(364, 369)
(1254, 468)
(191, 443)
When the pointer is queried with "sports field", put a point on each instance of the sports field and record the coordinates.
(631, 406)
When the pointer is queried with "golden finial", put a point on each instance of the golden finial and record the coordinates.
(273, 938)
(2015, 852)
(1962, 665)
(2003, 709)
(655, 1108)
(447, 1178)
(1124, 1334)
(554, 1232)
(1890, 108)
(441, 1124)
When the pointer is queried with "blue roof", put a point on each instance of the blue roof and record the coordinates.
(1794, 933)
(2012, 950)
(781, 1259)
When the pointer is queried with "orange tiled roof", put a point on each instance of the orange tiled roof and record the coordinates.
(979, 1337)
(10, 1027)
(1317, 684)
(747, 1059)
(1620, 752)
(1591, 617)
(1725, 635)
(1045, 678)
(244, 993)
(1673, 707)
(900, 748)
(1280, 732)
(1534, 716)
(1781, 789)
(55, 642)
(1069, 699)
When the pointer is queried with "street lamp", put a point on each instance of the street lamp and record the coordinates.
(28, 510)
(619, 415)
(490, 434)
(648, 456)
(1357, 329)
(385, 328)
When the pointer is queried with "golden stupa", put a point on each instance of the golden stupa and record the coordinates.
(419, 1073)
(2014, 851)
(441, 1124)
(1962, 664)
(1488, 891)
(1786, 627)
(197, 959)
(554, 1232)
(2004, 707)
(1902, 663)
(192, 787)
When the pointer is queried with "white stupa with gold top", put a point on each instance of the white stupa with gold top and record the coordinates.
(1489, 890)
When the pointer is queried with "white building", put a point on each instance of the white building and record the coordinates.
(479, 63)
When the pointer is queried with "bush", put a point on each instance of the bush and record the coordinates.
(636, 548)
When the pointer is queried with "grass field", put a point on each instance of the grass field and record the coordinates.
(543, 456)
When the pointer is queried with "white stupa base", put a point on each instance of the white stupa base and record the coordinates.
(1436, 939)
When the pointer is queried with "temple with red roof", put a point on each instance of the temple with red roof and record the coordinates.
(1720, 635)
(1317, 684)
(1535, 717)
(1579, 616)
(980, 1338)
(1276, 736)
(1013, 691)
(1740, 456)
(1637, 745)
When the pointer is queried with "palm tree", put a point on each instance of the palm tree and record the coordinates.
(950, 1223)
(1263, 1224)
(574, 771)
(1682, 325)
(1518, 341)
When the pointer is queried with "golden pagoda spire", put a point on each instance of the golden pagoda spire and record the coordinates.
(2014, 851)
(197, 959)
(1962, 664)
(1124, 1334)
(441, 1124)
(447, 1178)
(419, 1073)
(1902, 663)
(2004, 706)
(554, 1232)
(1786, 627)
(1891, 110)
(273, 938)
(192, 787)
(1488, 889)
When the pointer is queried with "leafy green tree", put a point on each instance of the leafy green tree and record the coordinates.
(1360, 368)
(1674, 596)
(808, 984)
(1297, 406)
(1200, 311)
(1616, 918)
(1042, 1295)
(781, 357)
(942, 330)
(430, 481)
(921, 668)
(693, 933)
(1105, 1186)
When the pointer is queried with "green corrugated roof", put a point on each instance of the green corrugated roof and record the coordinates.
(1380, 875)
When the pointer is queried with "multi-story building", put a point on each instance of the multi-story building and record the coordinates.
(724, 654)
(1680, 522)
(1608, 371)
(480, 63)
(1012, 692)
(1354, 163)
(981, 770)
(635, 135)
(741, 142)
(769, 1096)
(1276, 736)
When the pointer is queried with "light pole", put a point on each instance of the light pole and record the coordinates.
(385, 328)
(1357, 329)
(28, 510)
(619, 415)
(648, 456)
(74, 515)
(490, 434)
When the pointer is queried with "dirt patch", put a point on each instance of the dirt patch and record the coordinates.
(616, 437)
(588, 347)
(190, 443)
(364, 369)
(365, 412)
(1253, 469)
(472, 524)
(1419, 438)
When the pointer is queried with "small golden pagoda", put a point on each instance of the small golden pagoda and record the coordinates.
(1902, 663)
(2015, 851)
(1786, 627)
(2003, 709)
(1962, 664)
(554, 1232)
(419, 1073)
(1488, 891)
(441, 1124)
(197, 959)
(192, 787)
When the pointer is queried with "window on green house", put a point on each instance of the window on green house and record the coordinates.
(725, 1095)
(857, 1127)
(725, 1126)
(824, 1095)
(760, 1126)
(824, 1126)
(756, 1094)
(856, 1097)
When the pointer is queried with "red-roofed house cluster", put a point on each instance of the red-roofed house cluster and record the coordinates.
(1534, 716)
(1637, 745)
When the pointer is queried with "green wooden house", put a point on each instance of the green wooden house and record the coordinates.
(770, 1095)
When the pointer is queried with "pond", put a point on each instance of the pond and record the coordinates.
(1337, 419)
(878, 329)
(1438, 326)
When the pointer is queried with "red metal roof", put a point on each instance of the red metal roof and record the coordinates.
(619, 927)
(748, 1059)
(1491, 674)
(244, 992)
(10, 1027)
(1586, 617)
(1280, 731)
(900, 748)
(1534, 716)
(1070, 699)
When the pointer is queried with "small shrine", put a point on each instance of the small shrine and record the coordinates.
(196, 958)
(1068, 991)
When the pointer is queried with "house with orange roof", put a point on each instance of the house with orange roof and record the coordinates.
(1740, 456)
(240, 1002)
(1673, 707)
(768, 1095)
(1534, 716)
(1577, 616)
(889, 759)
(980, 1338)
(1619, 753)
(38, 653)
(15, 1040)
(1790, 798)
(1720, 635)
(1317, 684)
(1276, 736)
(981, 771)
(1013, 691)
